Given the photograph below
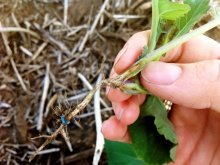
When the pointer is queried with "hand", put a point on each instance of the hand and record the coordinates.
(189, 76)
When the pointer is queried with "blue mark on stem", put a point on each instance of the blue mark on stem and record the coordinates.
(63, 120)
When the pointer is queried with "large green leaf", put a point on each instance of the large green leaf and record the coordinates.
(122, 154)
(198, 9)
(149, 145)
(154, 107)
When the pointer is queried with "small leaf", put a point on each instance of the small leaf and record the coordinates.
(133, 87)
(171, 10)
(198, 9)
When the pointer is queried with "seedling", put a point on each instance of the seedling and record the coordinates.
(171, 23)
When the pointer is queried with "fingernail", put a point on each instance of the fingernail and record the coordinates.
(161, 73)
(120, 54)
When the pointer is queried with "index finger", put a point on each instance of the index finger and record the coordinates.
(131, 51)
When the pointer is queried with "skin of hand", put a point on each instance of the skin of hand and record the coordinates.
(188, 76)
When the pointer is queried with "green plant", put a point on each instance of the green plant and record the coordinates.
(171, 23)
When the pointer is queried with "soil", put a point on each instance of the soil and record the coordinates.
(58, 45)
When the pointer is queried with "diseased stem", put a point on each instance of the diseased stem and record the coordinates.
(119, 81)
(84, 103)
(49, 140)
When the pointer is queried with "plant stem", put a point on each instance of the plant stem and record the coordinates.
(154, 25)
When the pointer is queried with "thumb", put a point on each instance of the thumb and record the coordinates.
(193, 85)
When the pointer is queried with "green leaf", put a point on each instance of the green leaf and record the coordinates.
(154, 107)
(121, 154)
(148, 144)
(198, 9)
(171, 10)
